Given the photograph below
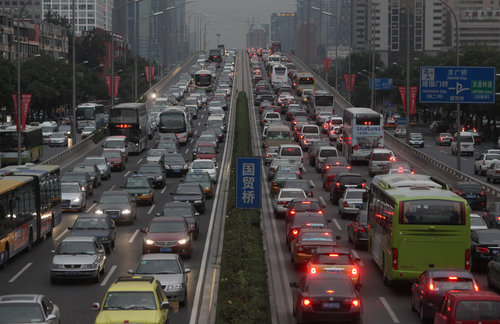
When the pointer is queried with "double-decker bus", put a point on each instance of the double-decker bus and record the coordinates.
(130, 120)
(203, 80)
(304, 81)
(416, 223)
(89, 115)
(175, 120)
(362, 132)
(31, 145)
(23, 216)
(321, 101)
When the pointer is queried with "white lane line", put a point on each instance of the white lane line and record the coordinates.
(112, 187)
(20, 272)
(163, 190)
(151, 208)
(356, 256)
(195, 132)
(464, 159)
(132, 238)
(389, 309)
(110, 273)
(199, 123)
(337, 224)
(89, 209)
(126, 174)
(138, 162)
(61, 235)
(187, 150)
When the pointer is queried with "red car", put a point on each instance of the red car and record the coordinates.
(304, 220)
(116, 158)
(468, 307)
(205, 150)
(167, 235)
(312, 205)
(307, 241)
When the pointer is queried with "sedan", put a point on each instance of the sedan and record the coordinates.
(284, 196)
(72, 197)
(326, 296)
(78, 257)
(209, 166)
(351, 202)
(167, 235)
(87, 131)
(169, 270)
(304, 220)
(58, 139)
(186, 210)
(24, 308)
(357, 230)
(308, 240)
(156, 156)
(103, 165)
(154, 172)
(175, 165)
(118, 205)
(190, 192)
(416, 139)
(115, 158)
(443, 139)
(203, 179)
(484, 246)
(307, 139)
(140, 189)
(96, 225)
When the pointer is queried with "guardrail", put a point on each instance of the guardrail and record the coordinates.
(392, 141)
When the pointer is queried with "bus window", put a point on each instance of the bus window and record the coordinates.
(367, 119)
(432, 212)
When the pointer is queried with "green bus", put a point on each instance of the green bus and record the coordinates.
(31, 145)
(416, 223)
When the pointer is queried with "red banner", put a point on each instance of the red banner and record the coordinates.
(16, 120)
(25, 106)
(353, 78)
(413, 98)
(327, 62)
(146, 68)
(116, 83)
(150, 74)
(402, 94)
(108, 82)
(349, 82)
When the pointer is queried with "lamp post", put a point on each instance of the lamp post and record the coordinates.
(73, 72)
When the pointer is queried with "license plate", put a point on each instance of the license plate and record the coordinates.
(65, 204)
(358, 205)
(494, 251)
(471, 196)
(72, 273)
(177, 171)
(334, 270)
(331, 305)
(113, 216)
(165, 249)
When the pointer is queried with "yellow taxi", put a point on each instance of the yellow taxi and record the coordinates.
(133, 300)
(140, 189)
(332, 259)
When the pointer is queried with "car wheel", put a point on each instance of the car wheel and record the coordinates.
(423, 319)
(475, 170)
(183, 302)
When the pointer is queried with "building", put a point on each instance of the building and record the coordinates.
(258, 35)
(479, 22)
(283, 29)
(32, 10)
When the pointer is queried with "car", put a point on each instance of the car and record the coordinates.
(186, 210)
(270, 154)
(416, 140)
(357, 230)
(135, 299)
(400, 131)
(58, 139)
(280, 177)
(306, 185)
(205, 165)
(471, 191)
(493, 172)
(484, 245)
(428, 290)
(335, 259)
(306, 140)
(102, 164)
(302, 220)
(313, 205)
(400, 167)
(466, 144)
(115, 158)
(351, 202)
(83, 178)
(118, 205)
(379, 161)
(208, 137)
(175, 165)
(326, 296)
(29, 308)
(140, 189)
(205, 151)
(169, 270)
(438, 126)
(344, 181)
(468, 307)
(192, 193)
(274, 165)
(322, 154)
(282, 199)
(92, 170)
(166, 137)
(72, 197)
(483, 161)
(334, 132)
(87, 131)
(307, 241)
(391, 123)
(154, 172)
(335, 162)
(443, 139)
(78, 257)
(477, 222)
(203, 179)
(168, 235)
(95, 225)
(155, 155)
(492, 215)
(168, 146)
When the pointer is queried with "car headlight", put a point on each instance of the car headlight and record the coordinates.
(99, 211)
(149, 242)
(77, 199)
(126, 211)
(167, 166)
(82, 188)
(176, 286)
(183, 241)
(159, 178)
(198, 201)
(58, 266)
(185, 166)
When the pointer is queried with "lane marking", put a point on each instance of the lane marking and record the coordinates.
(163, 190)
(199, 123)
(62, 234)
(110, 273)
(151, 208)
(20, 272)
(126, 174)
(195, 132)
(90, 208)
(212, 290)
(337, 224)
(187, 150)
(132, 238)
(389, 309)
(356, 256)
(138, 162)
(112, 187)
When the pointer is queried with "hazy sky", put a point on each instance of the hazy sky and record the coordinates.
(230, 18)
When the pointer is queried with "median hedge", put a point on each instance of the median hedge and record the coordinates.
(243, 296)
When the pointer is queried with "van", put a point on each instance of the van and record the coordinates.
(309, 130)
(466, 144)
(324, 152)
(293, 153)
(116, 143)
(48, 128)
(379, 162)
(276, 135)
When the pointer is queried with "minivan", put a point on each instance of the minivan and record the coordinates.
(293, 153)
(324, 152)
(277, 134)
(466, 144)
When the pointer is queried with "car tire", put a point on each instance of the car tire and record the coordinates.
(475, 170)
(183, 302)
(423, 319)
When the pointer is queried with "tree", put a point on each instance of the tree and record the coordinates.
(8, 79)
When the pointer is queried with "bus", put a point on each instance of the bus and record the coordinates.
(279, 75)
(175, 120)
(31, 145)
(275, 47)
(203, 80)
(416, 223)
(304, 81)
(22, 218)
(89, 115)
(130, 120)
(321, 101)
(362, 132)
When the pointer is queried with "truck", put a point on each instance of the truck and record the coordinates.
(221, 48)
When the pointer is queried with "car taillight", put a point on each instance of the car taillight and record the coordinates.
(313, 270)
(476, 287)
(306, 302)
(275, 184)
(431, 286)
(346, 204)
(484, 162)
(355, 147)
(292, 212)
(320, 212)
(482, 249)
(295, 232)
(300, 248)
(483, 193)
(337, 184)
(362, 229)
(281, 202)
(354, 271)
(459, 192)
(363, 185)
(356, 303)
(395, 265)
(327, 167)
(467, 259)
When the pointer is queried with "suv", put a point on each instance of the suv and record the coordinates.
(484, 161)
(473, 192)
(466, 144)
(138, 299)
(379, 162)
(344, 181)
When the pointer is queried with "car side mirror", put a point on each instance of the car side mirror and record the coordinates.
(165, 305)
(187, 270)
(130, 271)
(294, 285)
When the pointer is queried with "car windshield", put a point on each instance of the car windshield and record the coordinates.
(111, 199)
(416, 136)
(306, 206)
(316, 236)
(129, 300)
(328, 153)
(90, 223)
(111, 154)
(381, 156)
(174, 159)
(466, 139)
(187, 190)
(197, 177)
(136, 182)
(206, 149)
(21, 313)
(351, 194)
(88, 129)
(292, 194)
(493, 157)
(158, 267)
(178, 211)
(57, 135)
(73, 178)
(167, 227)
(155, 153)
(203, 164)
(114, 144)
(332, 258)
(98, 161)
(470, 310)
(477, 221)
(286, 175)
(70, 188)
(72, 247)
(150, 169)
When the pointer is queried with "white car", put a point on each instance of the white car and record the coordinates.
(87, 131)
(102, 164)
(334, 132)
(72, 196)
(400, 132)
(477, 222)
(283, 199)
(351, 202)
(205, 165)
(58, 139)
(483, 162)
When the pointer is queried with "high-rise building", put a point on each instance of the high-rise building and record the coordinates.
(257, 35)
(284, 29)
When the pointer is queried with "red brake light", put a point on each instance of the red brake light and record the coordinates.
(292, 212)
(483, 193)
(346, 204)
(313, 270)
(363, 185)
(482, 249)
(476, 287)
(333, 254)
(327, 167)
(354, 271)
(306, 302)
(306, 202)
(431, 286)
(355, 303)
(320, 212)
(337, 184)
(453, 278)
(395, 265)
(295, 232)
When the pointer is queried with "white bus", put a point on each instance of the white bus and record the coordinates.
(175, 120)
(279, 75)
(362, 132)
(89, 115)
(321, 101)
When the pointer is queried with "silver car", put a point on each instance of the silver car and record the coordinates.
(78, 257)
(103, 166)
(169, 270)
(283, 199)
(27, 308)
(58, 139)
(351, 202)
(72, 196)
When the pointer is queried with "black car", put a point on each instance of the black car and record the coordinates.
(186, 210)
(100, 226)
(492, 216)
(427, 291)
(192, 193)
(473, 192)
(343, 181)
(484, 246)
(83, 178)
(218, 131)
(357, 230)
(175, 165)
(264, 97)
(154, 172)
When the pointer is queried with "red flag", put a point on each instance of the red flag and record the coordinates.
(402, 93)
(413, 100)
(326, 63)
(25, 104)
(108, 82)
(16, 120)
(115, 85)
(147, 73)
(353, 78)
(347, 83)
(152, 76)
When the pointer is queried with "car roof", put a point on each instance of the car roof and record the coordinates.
(177, 204)
(439, 273)
(92, 215)
(17, 298)
(160, 256)
(79, 239)
(142, 283)
(474, 295)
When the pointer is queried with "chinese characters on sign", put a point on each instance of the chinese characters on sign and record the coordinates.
(248, 183)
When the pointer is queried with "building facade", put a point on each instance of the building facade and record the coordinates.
(258, 35)
(283, 29)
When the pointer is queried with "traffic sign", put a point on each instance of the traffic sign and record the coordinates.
(457, 84)
(248, 183)
(382, 84)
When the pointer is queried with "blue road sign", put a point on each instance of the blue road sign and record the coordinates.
(457, 84)
(382, 84)
(248, 183)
